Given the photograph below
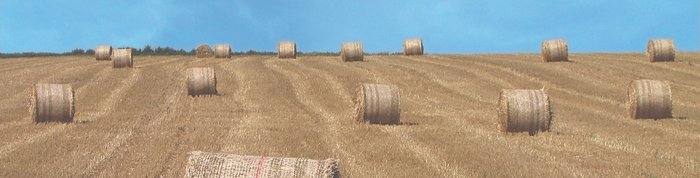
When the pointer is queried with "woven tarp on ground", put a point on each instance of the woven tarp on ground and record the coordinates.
(203, 164)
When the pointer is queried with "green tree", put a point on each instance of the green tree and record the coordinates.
(147, 50)
(77, 51)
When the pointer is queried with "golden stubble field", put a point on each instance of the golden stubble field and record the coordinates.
(140, 122)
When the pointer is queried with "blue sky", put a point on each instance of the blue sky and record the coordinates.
(446, 26)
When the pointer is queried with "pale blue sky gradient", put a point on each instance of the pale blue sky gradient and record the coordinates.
(446, 26)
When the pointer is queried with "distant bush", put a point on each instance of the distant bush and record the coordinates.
(29, 54)
(146, 50)
(253, 52)
(315, 53)
(159, 51)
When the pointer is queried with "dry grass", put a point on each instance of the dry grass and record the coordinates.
(141, 124)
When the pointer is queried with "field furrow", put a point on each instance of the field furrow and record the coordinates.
(140, 122)
(275, 122)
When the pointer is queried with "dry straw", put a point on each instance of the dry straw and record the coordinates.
(287, 50)
(201, 81)
(122, 58)
(222, 51)
(413, 47)
(203, 164)
(351, 51)
(555, 50)
(650, 99)
(52, 102)
(378, 104)
(661, 50)
(204, 51)
(103, 52)
(524, 111)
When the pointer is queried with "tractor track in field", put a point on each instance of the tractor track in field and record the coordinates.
(616, 71)
(24, 94)
(27, 92)
(331, 121)
(140, 122)
(623, 120)
(506, 84)
(35, 77)
(117, 146)
(197, 110)
(30, 65)
(10, 62)
(662, 65)
(275, 123)
(53, 128)
(422, 153)
(480, 133)
(550, 85)
(546, 84)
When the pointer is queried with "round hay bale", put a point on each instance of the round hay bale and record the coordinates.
(122, 58)
(660, 50)
(351, 51)
(413, 47)
(650, 99)
(524, 111)
(204, 51)
(287, 50)
(201, 81)
(222, 51)
(555, 50)
(53, 102)
(103, 52)
(378, 104)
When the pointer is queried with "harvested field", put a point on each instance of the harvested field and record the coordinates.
(142, 123)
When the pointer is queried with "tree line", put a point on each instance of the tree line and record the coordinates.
(148, 50)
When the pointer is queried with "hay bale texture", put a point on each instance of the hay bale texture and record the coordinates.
(378, 104)
(122, 58)
(524, 111)
(287, 50)
(650, 99)
(555, 50)
(413, 47)
(103, 52)
(222, 51)
(53, 102)
(204, 51)
(203, 164)
(351, 51)
(660, 50)
(201, 81)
